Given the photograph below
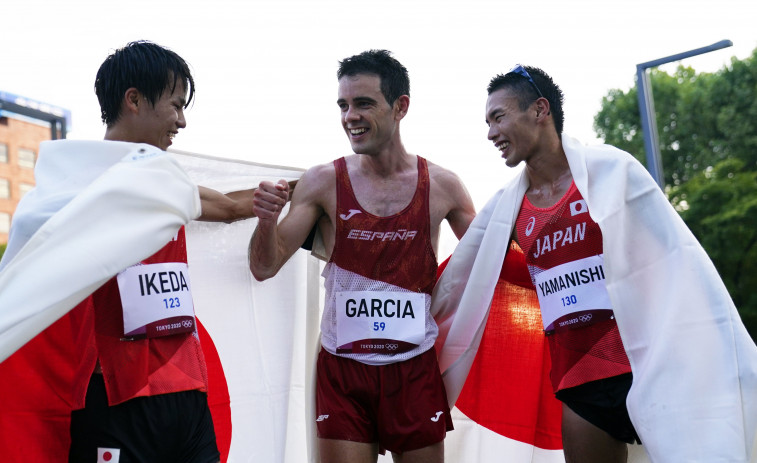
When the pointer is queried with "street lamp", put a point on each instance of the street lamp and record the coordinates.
(646, 106)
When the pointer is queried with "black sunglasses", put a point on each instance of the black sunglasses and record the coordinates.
(521, 71)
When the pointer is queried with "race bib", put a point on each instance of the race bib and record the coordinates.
(156, 300)
(573, 295)
(386, 322)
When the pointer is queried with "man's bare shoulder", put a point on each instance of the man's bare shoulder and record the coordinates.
(317, 180)
(442, 176)
(450, 199)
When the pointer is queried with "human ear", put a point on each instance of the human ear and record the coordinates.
(542, 107)
(131, 99)
(401, 105)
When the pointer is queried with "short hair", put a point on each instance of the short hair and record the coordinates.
(393, 75)
(526, 93)
(146, 66)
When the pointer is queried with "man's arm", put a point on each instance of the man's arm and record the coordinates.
(272, 243)
(461, 208)
(228, 207)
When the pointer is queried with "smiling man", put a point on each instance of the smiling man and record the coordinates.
(379, 213)
(639, 325)
(140, 391)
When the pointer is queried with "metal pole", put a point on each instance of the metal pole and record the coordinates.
(646, 106)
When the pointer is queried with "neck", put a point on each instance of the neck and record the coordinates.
(390, 160)
(549, 165)
(117, 133)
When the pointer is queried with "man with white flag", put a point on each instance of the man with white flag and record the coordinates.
(623, 288)
(139, 382)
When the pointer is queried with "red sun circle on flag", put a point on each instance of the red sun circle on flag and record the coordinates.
(508, 389)
(218, 393)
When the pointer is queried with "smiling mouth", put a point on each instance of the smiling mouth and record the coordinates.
(356, 132)
(502, 146)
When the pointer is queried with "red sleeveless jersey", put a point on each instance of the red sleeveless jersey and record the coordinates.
(382, 254)
(147, 366)
(563, 250)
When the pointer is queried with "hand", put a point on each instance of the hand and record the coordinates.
(269, 199)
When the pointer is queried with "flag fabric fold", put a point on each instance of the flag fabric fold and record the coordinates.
(130, 202)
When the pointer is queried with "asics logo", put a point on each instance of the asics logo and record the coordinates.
(322, 418)
(530, 226)
(349, 215)
(436, 418)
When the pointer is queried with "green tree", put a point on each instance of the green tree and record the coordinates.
(707, 124)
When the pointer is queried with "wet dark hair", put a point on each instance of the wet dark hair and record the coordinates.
(146, 66)
(394, 78)
(527, 94)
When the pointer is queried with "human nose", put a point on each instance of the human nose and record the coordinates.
(181, 122)
(492, 132)
(351, 114)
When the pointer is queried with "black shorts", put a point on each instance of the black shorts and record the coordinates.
(603, 404)
(174, 427)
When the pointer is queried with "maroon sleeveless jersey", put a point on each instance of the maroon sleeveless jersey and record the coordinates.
(379, 278)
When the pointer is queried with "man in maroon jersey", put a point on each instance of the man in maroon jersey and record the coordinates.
(379, 213)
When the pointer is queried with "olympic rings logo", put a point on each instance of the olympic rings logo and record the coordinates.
(392, 346)
(585, 318)
(187, 323)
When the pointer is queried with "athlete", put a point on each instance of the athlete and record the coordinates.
(143, 371)
(626, 293)
(378, 212)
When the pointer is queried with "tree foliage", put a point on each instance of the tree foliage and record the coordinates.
(707, 125)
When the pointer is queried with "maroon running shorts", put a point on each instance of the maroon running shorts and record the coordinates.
(401, 406)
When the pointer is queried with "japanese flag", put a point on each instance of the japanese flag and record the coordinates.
(106, 455)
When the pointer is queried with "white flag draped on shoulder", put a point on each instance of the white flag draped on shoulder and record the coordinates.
(98, 207)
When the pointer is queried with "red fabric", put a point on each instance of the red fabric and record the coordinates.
(40, 384)
(37, 394)
(218, 393)
(508, 389)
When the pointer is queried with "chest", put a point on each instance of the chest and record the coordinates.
(562, 232)
(385, 197)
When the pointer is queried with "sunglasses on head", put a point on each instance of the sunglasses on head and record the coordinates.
(521, 71)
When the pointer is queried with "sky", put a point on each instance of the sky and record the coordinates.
(265, 70)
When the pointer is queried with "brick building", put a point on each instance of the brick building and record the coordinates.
(23, 125)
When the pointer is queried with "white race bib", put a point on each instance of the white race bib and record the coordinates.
(156, 299)
(379, 321)
(573, 294)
